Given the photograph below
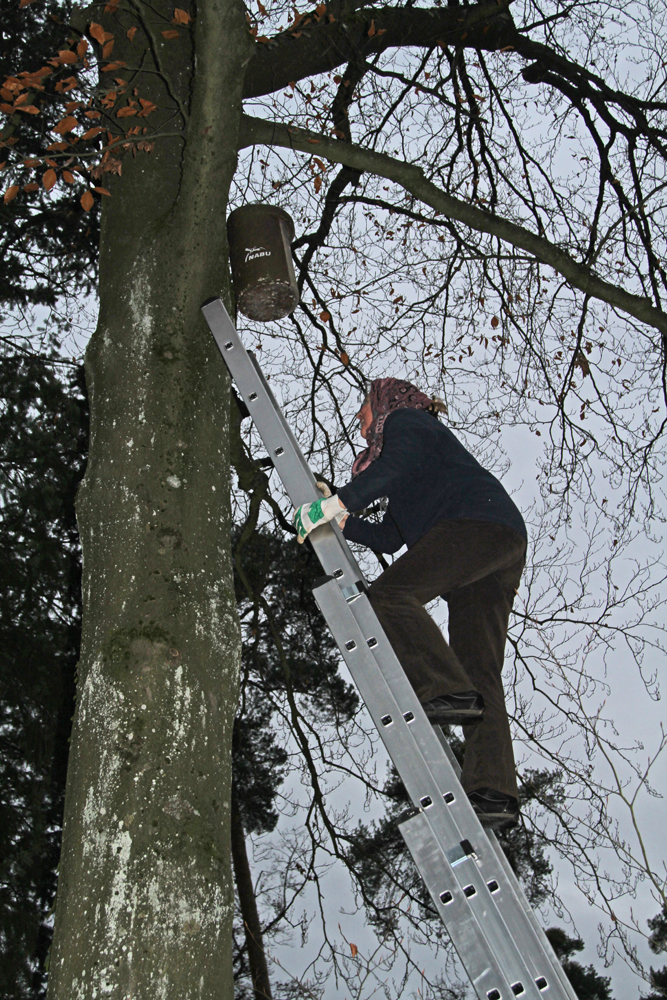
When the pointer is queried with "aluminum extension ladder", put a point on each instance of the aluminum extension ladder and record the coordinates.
(491, 924)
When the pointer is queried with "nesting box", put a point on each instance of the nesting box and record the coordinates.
(265, 286)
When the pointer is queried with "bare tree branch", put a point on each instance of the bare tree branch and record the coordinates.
(315, 45)
(411, 177)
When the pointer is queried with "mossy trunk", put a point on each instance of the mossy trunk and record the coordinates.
(145, 896)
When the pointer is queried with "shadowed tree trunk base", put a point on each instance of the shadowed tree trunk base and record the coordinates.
(248, 903)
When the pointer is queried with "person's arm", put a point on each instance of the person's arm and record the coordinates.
(400, 458)
(383, 537)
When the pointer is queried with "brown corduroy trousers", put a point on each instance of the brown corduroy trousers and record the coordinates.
(476, 567)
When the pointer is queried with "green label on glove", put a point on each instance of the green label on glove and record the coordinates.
(308, 516)
(315, 511)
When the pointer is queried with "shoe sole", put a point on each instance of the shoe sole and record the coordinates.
(453, 718)
(504, 822)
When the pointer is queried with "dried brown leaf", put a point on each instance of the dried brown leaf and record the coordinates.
(98, 32)
(146, 108)
(66, 125)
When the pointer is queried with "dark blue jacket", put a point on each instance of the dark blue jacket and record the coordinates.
(427, 476)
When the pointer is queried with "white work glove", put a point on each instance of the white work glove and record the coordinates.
(341, 516)
(312, 515)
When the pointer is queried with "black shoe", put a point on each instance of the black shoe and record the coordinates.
(495, 809)
(462, 709)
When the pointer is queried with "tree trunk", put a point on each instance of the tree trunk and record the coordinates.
(259, 969)
(145, 897)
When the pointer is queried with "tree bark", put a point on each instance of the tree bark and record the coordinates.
(259, 969)
(317, 45)
(145, 896)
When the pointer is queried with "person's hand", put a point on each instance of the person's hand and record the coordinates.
(340, 518)
(312, 515)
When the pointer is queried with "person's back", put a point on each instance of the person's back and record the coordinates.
(427, 475)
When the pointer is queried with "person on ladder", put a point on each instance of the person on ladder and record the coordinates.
(466, 542)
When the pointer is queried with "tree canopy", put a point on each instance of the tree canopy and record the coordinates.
(478, 191)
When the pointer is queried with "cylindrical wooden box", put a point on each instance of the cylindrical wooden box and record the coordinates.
(262, 271)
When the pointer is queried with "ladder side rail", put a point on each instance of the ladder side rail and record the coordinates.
(463, 877)
(267, 416)
(522, 924)
(333, 551)
(527, 916)
(513, 881)
(335, 555)
(489, 955)
(431, 745)
(486, 970)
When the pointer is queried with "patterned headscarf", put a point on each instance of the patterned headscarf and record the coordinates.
(385, 396)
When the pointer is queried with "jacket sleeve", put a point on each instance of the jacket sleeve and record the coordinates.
(400, 459)
(383, 537)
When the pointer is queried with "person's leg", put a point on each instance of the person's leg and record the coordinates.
(452, 555)
(431, 666)
(478, 620)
